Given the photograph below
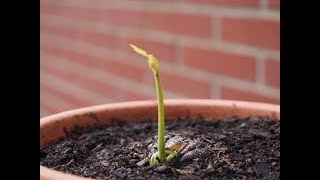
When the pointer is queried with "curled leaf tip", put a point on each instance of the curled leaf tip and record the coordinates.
(139, 51)
(152, 61)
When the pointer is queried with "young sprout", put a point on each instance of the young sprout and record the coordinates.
(161, 155)
(176, 147)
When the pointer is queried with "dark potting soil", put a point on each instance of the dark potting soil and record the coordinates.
(234, 148)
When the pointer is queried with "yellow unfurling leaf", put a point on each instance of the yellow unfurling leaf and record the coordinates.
(152, 61)
(139, 51)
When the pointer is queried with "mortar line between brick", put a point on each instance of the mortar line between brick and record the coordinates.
(215, 90)
(178, 51)
(260, 70)
(263, 4)
(216, 27)
(184, 7)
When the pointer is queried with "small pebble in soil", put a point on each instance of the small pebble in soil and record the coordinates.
(143, 162)
(121, 173)
(161, 168)
(133, 161)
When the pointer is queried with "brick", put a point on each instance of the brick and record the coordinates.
(81, 79)
(212, 60)
(71, 99)
(104, 39)
(86, 34)
(80, 12)
(185, 85)
(133, 95)
(95, 85)
(53, 103)
(68, 32)
(249, 3)
(123, 16)
(108, 64)
(48, 8)
(161, 50)
(44, 112)
(125, 70)
(251, 31)
(237, 94)
(272, 72)
(180, 23)
(65, 53)
(113, 15)
(89, 13)
(274, 4)
(48, 107)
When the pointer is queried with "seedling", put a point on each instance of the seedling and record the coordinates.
(175, 146)
(160, 155)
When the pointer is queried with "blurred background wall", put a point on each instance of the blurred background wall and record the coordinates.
(213, 49)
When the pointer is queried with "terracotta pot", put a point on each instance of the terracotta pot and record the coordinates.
(55, 126)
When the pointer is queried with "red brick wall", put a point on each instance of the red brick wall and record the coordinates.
(217, 49)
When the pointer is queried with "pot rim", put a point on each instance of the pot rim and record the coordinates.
(47, 173)
(226, 103)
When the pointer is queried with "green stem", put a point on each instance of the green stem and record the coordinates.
(161, 125)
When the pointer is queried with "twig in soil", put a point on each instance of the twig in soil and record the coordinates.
(227, 161)
(142, 162)
(71, 161)
(97, 147)
(207, 140)
(136, 150)
(54, 168)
